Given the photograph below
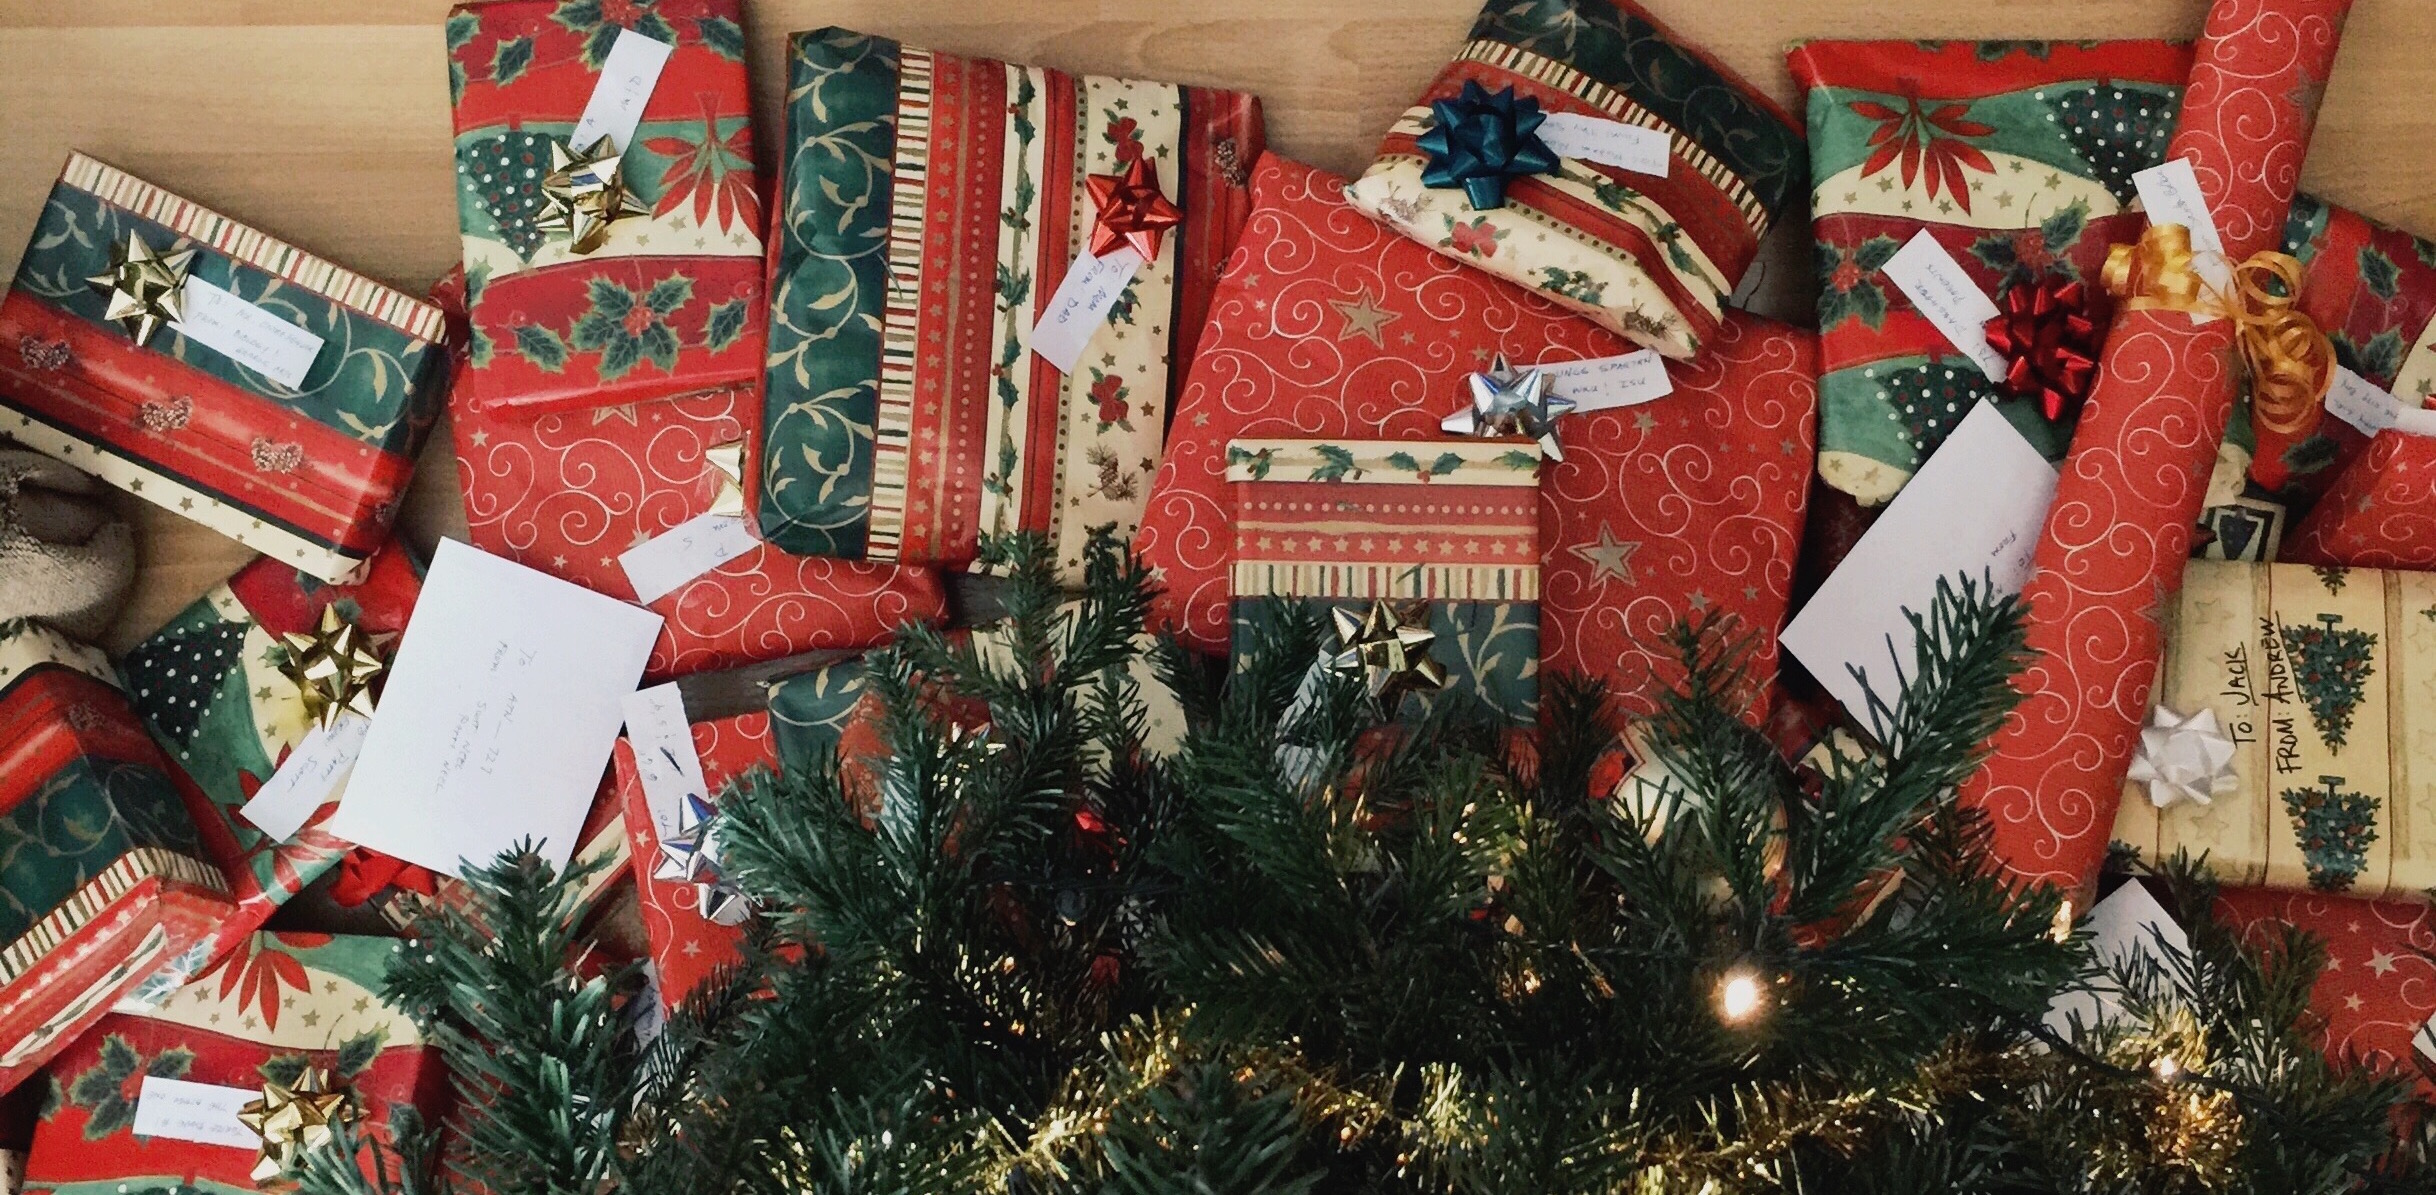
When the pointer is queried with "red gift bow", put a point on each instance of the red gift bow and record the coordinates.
(364, 872)
(1132, 210)
(2050, 345)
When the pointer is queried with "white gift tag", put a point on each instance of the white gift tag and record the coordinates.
(664, 756)
(246, 334)
(628, 73)
(1934, 282)
(1081, 306)
(308, 778)
(2361, 403)
(2170, 194)
(1608, 142)
(204, 1113)
(659, 566)
(2127, 924)
(1603, 382)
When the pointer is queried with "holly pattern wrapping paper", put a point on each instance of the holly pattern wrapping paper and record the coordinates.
(1446, 533)
(209, 687)
(1653, 256)
(2325, 681)
(2112, 551)
(276, 1005)
(2379, 986)
(671, 303)
(932, 205)
(1329, 324)
(103, 875)
(310, 474)
(2017, 156)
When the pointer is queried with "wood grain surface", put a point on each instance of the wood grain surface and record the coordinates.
(326, 121)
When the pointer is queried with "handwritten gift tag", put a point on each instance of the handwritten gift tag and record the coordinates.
(308, 777)
(2170, 194)
(1081, 306)
(1934, 282)
(1608, 142)
(628, 74)
(247, 334)
(204, 1113)
(661, 565)
(664, 756)
(2367, 406)
(502, 705)
(1604, 382)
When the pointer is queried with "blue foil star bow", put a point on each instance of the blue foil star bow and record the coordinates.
(1482, 138)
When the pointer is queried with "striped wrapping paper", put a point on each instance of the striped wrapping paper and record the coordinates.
(1651, 256)
(1452, 524)
(103, 875)
(931, 207)
(311, 475)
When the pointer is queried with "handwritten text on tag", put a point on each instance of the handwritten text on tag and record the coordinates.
(664, 756)
(204, 1113)
(1934, 282)
(628, 73)
(661, 565)
(246, 334)
(308, 778)
(1607, 142)
(1604, 382)
(1081, 305)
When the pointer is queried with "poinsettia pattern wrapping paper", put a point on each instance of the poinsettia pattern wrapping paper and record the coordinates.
(2111, 554)
(1328, 323)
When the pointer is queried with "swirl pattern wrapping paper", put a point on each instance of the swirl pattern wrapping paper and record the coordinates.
(2111, 556)
(1328, 323)
(2379, 513)
(2379, 985)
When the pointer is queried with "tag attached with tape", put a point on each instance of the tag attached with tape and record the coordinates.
(1081, 306)
(1606, 382)
(661, 565)
(308, 778)
(1608, 142)
(247, 334)
(629, 72)
(1946, 297)
(664, 756)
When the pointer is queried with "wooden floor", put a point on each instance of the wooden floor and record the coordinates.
(326, 121)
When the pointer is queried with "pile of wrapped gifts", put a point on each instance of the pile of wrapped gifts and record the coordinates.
(722, 419)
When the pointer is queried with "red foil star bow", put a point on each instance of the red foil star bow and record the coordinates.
(1132, 210)
(2049, 343)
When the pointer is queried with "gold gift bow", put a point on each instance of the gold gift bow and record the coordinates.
(2290, 358)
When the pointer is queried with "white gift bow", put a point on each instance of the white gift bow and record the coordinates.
(2184, 759)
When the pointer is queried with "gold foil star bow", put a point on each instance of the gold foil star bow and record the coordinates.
(1390, 649)
(146, 290)
(584, 194)
(333, 666)
(293, 1120)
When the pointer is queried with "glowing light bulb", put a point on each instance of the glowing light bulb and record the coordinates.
(1739, 996)
(2167, 1069)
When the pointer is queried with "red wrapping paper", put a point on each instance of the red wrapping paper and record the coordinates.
(1328, 323)
(687, 947)
(2379, 513)
(2379, 985)
(2115, 542)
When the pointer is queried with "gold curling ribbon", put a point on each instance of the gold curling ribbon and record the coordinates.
(2291, 361)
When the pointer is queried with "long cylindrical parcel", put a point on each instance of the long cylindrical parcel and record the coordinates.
(2111, 556)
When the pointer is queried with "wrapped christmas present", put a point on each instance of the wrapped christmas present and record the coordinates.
(2016, 159)
(231, 687)
(2115, 541)
(2380, 511)
(2379, 986)
(216, 371)
(985, 281)
(214, 1089)
(1579, 148)
(2294, 735)
(1682, 486)
(608, 200)
(1425, 554)
(104, 877)
(692, 918)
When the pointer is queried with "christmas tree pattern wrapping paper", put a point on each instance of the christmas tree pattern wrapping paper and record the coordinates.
(2380, 511)
(210, 686)
(103, 875)
(2018, 158)
(1445, 533)
(671, 302)
(2111, 553)
(2379, 986)
(277, 1005)
(1653, 256)
(309, 470)
(1331, 325)
(686, 946)
(2324, 682)
(932, 207)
